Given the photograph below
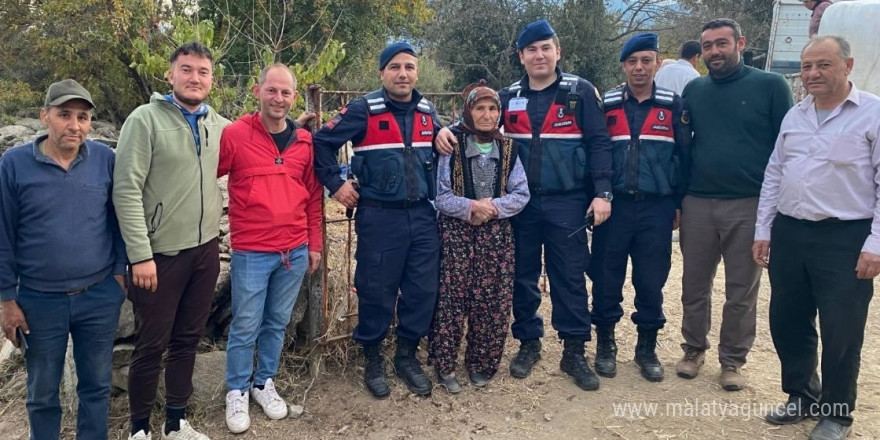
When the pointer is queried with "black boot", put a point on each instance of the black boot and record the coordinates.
(646, 358)
(606, 351)
(374, 372)
(575, 365)
(528, 355)
(409, 369)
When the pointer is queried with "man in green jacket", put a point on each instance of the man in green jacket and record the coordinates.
(735, 113)
(168, 204)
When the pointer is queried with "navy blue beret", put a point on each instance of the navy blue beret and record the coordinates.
(393, 49)
(639, 42)
(536, 31)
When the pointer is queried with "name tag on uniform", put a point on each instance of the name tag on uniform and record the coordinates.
(517, 104)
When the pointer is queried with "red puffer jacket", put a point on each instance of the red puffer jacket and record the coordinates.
(275, 201)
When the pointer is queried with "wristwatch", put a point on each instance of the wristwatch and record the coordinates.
(606, 196)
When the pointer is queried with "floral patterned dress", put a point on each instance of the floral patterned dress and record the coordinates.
(476, 262)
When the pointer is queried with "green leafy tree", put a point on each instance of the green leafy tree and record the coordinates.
(477, 39)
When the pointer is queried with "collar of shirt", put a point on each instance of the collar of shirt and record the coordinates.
(808, 104)
(524, 82)
(42, 157)
(203, 109)
(628, 96)
(472, 151)
(686, 64)
(392, 104)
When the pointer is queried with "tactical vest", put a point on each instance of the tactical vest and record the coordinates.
(645, 163)
(462, 177)
(388, 167)
(553, 155)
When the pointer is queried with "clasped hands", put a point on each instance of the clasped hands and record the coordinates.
(482, 211)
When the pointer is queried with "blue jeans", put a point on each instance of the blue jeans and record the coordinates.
(90, 318)
(264, 289)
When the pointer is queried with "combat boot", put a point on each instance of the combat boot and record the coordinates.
(408, 368)
(646, 356)
(528, 355)
(606, 351)
(575, 365)
(374, 372)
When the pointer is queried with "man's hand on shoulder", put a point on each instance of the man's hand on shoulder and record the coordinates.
(445, 142)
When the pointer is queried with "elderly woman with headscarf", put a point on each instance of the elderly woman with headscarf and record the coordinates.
(479, 187)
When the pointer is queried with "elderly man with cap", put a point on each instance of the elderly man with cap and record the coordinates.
(558, 126)
(62, 262)
(676, 75)
(649, 139)
(392, 130)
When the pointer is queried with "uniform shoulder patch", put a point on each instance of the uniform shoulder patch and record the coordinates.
(685, 117)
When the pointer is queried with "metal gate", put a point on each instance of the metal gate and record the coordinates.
(336, 317)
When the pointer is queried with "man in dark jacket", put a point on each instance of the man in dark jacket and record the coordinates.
(649, 139)
(392, 130)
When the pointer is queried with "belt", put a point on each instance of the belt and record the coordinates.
(391, 205)
(812, 222)
(638, 196)
(82, 289)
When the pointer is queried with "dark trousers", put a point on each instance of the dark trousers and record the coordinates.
(549, 221)
(812, 268)
(398, 249)
(172, 318)
(641, 230)
(90, 319)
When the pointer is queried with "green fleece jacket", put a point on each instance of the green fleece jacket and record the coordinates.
(735, 121)
(165, 189)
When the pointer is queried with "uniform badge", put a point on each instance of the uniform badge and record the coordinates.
(424, 121)
(685, 117)
(561, 113)
(661, 115)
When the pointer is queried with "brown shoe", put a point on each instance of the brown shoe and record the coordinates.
(689, 365)
(731, 378)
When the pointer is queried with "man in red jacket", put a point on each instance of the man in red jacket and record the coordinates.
(275, 215)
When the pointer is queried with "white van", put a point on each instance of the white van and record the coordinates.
(789, 33)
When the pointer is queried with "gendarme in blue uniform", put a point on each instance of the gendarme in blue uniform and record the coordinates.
(398, 243)
(566, 152)
(648, 141)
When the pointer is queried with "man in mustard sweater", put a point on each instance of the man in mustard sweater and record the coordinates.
(168, 204)
(735, 113)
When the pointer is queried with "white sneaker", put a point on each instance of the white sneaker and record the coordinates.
(186, 432)
(273, 405)
(140, 435)
(237, 418)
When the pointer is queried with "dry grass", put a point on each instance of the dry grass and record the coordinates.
(327, 381)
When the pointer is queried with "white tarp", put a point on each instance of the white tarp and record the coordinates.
(858, 21)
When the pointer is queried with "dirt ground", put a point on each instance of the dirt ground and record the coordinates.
(546, 405)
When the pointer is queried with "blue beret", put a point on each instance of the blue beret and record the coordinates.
(393, 49)
(536, 31)
(639, 42)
